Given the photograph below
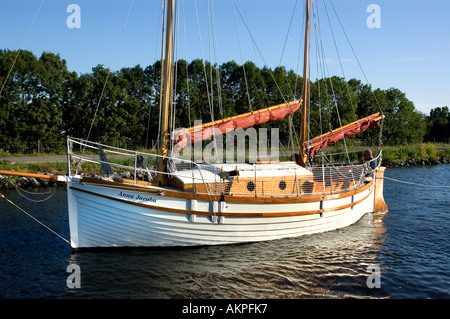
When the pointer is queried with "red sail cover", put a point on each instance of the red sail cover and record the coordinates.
(201, 132)
(321, 142)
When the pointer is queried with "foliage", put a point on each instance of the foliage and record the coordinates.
(44, 102)
(417, 152)
(31, 102)
(438, 124)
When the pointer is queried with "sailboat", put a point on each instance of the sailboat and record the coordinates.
(186, 203)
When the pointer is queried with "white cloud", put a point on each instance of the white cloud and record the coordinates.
(417, 59)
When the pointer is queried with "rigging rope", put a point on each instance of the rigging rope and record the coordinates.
(109, 72)
(340, 64)
(416, 184)
(21, 46)
(356, 57)
(104, 84)
(35, 219)
(315, 13)
(187, 68)
(259, 51)
(287, 35)
(153, 74)
(242, 59)
(209, 87)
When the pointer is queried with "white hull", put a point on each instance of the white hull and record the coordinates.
(101, 216)
(213, 204)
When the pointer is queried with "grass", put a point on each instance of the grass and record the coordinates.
(44, 167)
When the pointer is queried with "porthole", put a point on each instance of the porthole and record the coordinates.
(282, 185)
(251, 186)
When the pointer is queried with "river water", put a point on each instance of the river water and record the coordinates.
(404, 254)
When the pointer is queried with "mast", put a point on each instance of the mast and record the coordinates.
(166, 85)
(302, 158)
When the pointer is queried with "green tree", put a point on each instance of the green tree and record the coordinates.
(438, 124)
(9, 103)
(41, 99)
(403, 123)
(32, 97)
(133, 103)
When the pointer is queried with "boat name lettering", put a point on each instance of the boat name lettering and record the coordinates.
(137, 197)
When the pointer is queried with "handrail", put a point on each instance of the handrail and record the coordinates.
(130, 152)
(120, 151)
(88, 159)
(328, 175)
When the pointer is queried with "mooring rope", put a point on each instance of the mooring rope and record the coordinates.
(35, 219)
(416, 184)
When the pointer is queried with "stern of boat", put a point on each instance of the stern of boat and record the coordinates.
(379, 205)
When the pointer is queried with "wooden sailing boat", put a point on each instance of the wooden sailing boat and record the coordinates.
(211, 204)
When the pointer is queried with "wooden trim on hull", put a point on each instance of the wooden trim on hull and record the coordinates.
(245, 214)
(228, 198)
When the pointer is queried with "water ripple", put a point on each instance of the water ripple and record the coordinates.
(409, 244)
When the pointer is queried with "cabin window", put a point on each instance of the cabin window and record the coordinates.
(282, 185)
(251, 186)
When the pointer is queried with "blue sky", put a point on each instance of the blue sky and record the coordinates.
(410, 51)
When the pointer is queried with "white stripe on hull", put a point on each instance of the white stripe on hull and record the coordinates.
(103, 221)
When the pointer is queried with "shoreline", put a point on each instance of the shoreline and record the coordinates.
(415, 162)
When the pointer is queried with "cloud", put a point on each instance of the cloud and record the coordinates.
(417, 59)
(335, 60)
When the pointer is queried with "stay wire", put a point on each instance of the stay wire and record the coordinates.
(287, 35)
(259, 50)
(188, 100)
(35, 219)
(416, 184)
(316, 18)
(356, 57)
(340, 63)
(109, 72)
(209, 86)
(242, 59)
(21, 46)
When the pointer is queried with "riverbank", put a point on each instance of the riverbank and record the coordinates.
(8, 182)
(414, 162)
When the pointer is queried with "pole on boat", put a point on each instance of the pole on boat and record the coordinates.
(166, 83)
(302, 158)
(24, 174)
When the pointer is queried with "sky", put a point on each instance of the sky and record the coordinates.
(403, 44)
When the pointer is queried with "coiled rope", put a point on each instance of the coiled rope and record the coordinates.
(35, 219)
(416, 184)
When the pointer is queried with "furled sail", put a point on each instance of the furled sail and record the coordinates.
(319, 143)
(201, 132)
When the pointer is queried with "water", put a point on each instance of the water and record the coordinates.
(409, 245)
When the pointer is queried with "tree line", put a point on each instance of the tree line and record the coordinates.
(42, 101)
